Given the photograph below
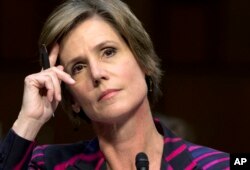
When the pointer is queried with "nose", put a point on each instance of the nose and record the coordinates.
(98, 72)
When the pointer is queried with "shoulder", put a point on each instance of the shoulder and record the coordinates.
(191, 155)
(51, 155)
(208, 158)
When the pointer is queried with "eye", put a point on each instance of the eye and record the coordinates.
(109, 52)
(77, 68)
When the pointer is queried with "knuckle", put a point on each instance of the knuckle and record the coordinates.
(53, 71)
(28, 79)
(47, 78)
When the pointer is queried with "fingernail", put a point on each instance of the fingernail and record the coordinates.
(72, 81)
(60, 67)
(60, 97)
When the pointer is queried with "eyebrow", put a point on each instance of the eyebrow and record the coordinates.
(102, 44)
(95, 48)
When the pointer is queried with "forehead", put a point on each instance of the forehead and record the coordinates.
(90, 33)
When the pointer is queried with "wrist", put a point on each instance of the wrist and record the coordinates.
(27, 128)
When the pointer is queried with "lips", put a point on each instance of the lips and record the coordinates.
(108, 94)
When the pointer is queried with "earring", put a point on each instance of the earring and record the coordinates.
(149, 83)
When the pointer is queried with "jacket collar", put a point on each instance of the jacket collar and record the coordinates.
(175, 150)
(175, 153)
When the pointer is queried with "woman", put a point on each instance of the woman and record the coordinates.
(104, 65)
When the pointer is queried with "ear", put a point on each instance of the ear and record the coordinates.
(76, 107)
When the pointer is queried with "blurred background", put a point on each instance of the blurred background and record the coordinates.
(205, 51)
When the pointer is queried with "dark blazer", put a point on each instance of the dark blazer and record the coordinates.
(178, 154)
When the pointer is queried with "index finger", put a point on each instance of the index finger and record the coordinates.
(54, 54)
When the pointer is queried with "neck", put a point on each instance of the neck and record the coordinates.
(120, 142)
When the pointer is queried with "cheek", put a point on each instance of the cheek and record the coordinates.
(83, 84)
(79, 92)
(132, 73)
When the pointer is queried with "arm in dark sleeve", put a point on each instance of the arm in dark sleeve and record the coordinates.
(15, 152)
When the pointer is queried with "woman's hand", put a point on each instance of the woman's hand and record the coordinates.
(42, 93)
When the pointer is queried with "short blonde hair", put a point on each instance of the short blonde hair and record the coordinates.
(72, 12)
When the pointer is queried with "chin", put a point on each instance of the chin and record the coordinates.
(117, 111)
(112, 115)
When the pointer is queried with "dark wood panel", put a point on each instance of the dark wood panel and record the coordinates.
(205, 52)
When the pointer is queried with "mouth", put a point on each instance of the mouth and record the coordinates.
(107, 94)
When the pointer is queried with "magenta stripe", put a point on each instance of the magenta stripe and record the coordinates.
(28, 152)
(171, 140)
(84, 157)
(191, 166)
(37, 155)
(170, 167)
(228, 168)
(191, 148)
(99, 164)
(176, 152)
(40, 163)
(41, 147)
(205, 155)
(214, 162)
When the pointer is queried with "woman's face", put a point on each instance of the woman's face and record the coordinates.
(110, 85)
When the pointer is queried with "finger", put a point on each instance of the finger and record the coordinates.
(60, 67)
(57, 88)
(51, 79)
(57, 75)
(54, 54)
(50, 88)
(63, 76)
(42, 83)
